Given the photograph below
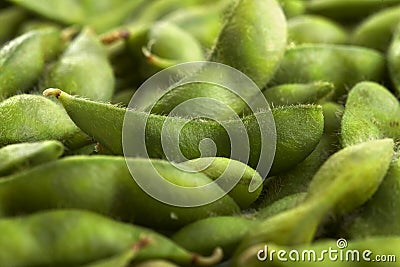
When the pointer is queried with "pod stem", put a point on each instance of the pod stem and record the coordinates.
(52, 92)
(215, 257)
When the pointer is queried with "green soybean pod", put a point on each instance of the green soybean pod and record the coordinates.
(358, 253)
(292, 8)
(315, 29)
(32, 118)
(22, 59)
(371, 112)
(205, 235)
(76, 237)
(104, 184)
(299, 129)
(347, 10)
(393, 57)
(120, 260)
(380, 216)
(83, 69)
(327, 194)
(155, 263)
(333, 113)
(17, 157)
(347, 66)
(293, 94)
(376, 31)
(224, 169)
(11, 18)
(297, 179)
(280, 205)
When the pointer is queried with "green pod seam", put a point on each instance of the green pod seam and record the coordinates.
(205, 235)
(393, 57)
(75, 237)
(371, 112)
(22, 59)
(32, 118)
(374, 252)
(299, 129)
(344, 66)
(17, 157)
(377, 31)
(104, 184)
(363, 168)
(83, 69)
(315, 29)
(294, 94)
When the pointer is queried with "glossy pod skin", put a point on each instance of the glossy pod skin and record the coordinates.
(377, 31)
(83, 69)
(326, 195)
(104, 184)
(40, 240)
(17, 157)
(315, 29)
(31, 118)
(347, 66)
(295, 141)
(371, 112)
(22, 59)
(377, 245)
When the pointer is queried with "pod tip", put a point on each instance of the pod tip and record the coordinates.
(52, 92)
(216, 257)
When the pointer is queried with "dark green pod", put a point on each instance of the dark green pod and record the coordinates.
(344, 66)
(393, 57)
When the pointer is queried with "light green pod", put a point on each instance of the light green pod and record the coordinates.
(377, 31)
(315, 29)
(155, 263)
(31, 118)
(17, 157)
(393, 57)
(299, 129)
(380, 216)
(76, 237)
(22, 59)
(371, 112)
(293, 94)
(83, 69)
(104, 184)
(329, 192)
(11, 18)
(374, 252)
(297, 179)
(225, 169)
(203, 22)
(120, 260)
(344, 66)
(205, 235)
(292, 8)
(347, 10)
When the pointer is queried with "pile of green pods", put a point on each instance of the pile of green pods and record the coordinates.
(70, 192)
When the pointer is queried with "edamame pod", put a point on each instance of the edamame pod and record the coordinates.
(104, 184)
(299, 129)
(280, 205)
(120, 260)
(205, 235)
(10, 19)
(377, 31)
(22, 59)
(380, 216)
(347, 66)
(347, 10)
(32, 118)
(83, 69)
(315, 29)
(327, 194)
(292, 8)
(293, 94)
(17, 157)
(155, 263)
(333, 113)
(372, 252)
(393, 58)
(371, 112)
(74, 237)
